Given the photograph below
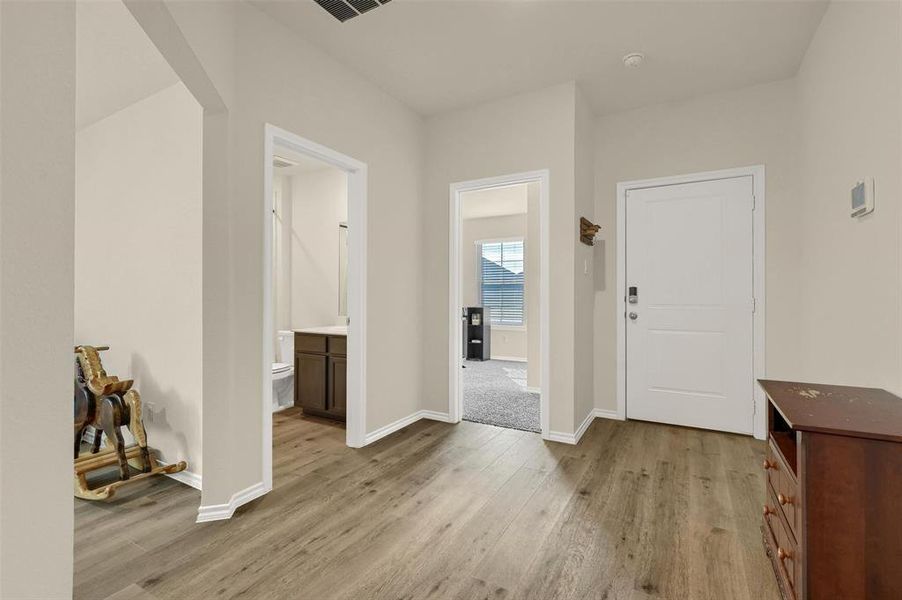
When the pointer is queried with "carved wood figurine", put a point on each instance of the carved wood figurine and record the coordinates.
(587, 231)
(108, 404)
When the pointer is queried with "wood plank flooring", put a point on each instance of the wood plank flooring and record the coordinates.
(465, 511)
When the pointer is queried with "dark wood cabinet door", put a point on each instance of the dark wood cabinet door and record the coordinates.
(338, 386)
(310, 381)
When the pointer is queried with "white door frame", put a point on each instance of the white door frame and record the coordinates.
(758, 287)
(357, 234)
(455, 348)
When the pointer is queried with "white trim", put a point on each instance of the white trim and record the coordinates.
(455, 349)
(508, 328)
(605, 413)
(534, 390)
(189, 478)
(516, 238)
(401, 423)
(509, 358)
(575, 437)
(757, 173)
(220, 512)
(434, 415)
(357, 293)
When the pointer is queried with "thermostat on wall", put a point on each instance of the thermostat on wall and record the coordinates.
(863, 197)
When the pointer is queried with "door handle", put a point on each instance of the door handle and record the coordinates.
(633, 316)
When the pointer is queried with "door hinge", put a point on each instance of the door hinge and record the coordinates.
(754, 305)
(754, 201)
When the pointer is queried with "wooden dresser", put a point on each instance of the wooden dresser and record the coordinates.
(833, 507)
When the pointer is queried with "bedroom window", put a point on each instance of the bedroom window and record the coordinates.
(501, 280)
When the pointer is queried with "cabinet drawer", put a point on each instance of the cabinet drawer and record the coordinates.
(308, 342)
(785, 487)
(783, 548)
(338, 345)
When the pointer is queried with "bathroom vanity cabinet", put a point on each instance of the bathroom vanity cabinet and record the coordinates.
(320, 374)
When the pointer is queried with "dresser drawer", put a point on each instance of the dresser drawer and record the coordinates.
(785, 488)
(782, 545)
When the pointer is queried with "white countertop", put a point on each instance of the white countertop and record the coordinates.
(325, 330)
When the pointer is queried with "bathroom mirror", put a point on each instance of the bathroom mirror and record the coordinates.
(343, 270)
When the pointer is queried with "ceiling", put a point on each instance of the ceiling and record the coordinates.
(116, 62)
(437, 55)
(494, 202)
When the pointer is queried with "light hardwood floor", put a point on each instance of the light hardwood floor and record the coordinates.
(465, 511)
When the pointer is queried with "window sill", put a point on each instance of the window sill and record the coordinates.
(509, 327)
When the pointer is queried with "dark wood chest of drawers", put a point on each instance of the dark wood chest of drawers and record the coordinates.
(833, 504)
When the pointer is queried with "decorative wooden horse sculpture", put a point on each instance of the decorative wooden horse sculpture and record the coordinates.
(108, 404)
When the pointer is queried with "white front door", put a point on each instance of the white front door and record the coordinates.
(689, 334)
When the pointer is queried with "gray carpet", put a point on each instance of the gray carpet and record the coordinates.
(495, 393)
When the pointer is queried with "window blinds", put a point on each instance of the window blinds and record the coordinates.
(501, 281)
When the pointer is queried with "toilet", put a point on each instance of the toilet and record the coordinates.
(283, 372)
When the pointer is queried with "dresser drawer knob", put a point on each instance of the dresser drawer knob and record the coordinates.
(783, 554)
(769, 511)
(784, 500)
(769, 464)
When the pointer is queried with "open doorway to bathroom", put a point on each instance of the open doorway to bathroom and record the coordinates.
(497, 302)
(314, 297)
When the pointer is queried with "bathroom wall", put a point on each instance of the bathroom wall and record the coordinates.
(138, 259)
(507, 341)
(281, 257)
(319, 202)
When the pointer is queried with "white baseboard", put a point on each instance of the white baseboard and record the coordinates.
(574, 438)
(404, 422)
(510, 358)
(435, 416)
(534, 390)
(604, 413)
(219, 512)
(189, 478)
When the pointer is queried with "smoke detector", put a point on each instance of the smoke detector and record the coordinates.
(633, 60)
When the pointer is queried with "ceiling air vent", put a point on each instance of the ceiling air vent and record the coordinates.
(281, 163)
(348, 9)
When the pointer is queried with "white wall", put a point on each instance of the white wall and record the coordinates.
(752, 126)
(319, 204)
(522, 133)
(849, 112)
(507, 342)
(138, 260)
(37, 183)
(281, 258)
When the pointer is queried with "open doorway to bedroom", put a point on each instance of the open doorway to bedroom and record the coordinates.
(497, 302)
